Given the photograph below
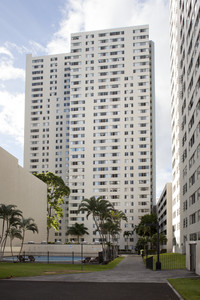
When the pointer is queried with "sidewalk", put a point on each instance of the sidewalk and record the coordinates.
(130, 269)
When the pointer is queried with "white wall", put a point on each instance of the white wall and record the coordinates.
(63, 249)
(197, 243)
(19, 187)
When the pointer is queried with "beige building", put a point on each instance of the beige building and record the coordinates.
(185, 111)
(90, 118)
(29, 194)
(164, 213)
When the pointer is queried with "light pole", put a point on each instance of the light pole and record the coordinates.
(158, 263)
(81, 256)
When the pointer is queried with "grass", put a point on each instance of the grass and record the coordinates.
(170, 261)
(188, 288)
(38, 269)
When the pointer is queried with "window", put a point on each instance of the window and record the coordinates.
(192, 219)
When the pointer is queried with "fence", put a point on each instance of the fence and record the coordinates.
(168, 261)
(72, 257)
(47, 257)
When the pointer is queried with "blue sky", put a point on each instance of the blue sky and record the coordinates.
(44, 27)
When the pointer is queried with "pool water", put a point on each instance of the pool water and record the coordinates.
(43, 258)
(56, 258)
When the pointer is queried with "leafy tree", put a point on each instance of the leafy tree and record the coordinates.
(147, 230)
(147, 225)
(141, 243)
(56, 191)
(10, 217)
(77, 230)
(24, 225)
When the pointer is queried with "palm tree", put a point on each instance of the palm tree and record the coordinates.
(111, 229)
(115, 217)
(162, 239)
(14, 233)
(24, 225)
(77, 230)
(10, 217)
(99, 209)
(127, 234)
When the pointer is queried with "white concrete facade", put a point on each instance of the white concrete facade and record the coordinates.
(105, 118)
(29, 194)
(193, 256)
(185, 108)
(164, 213)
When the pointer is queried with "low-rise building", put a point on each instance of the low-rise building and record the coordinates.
(164, 212)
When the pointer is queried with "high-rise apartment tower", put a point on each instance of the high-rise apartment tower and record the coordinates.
(185, 112)
(90, 119)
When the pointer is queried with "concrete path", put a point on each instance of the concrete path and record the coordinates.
(131, 269)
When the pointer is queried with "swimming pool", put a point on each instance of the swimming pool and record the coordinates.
(56, 258)
(45, 258)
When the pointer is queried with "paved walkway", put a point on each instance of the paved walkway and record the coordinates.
(131, 269)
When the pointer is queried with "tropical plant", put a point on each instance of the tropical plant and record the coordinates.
(56, 191)
(24, 225)
(114, 218)
(14, 233)
(77, 230)
(10, 217)
(106, 218)
(126, 235)
(141, 243)
(98, 208)
(162, 239)
(111, 229)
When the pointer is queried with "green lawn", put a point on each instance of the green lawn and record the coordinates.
(188, 288)
(37, 269)
(170, 261)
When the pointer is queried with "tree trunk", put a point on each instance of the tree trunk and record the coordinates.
(22, 243)
(47, 235)
(2, 233)
(11, 249)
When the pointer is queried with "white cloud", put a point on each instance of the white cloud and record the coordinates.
(8, 56)
(5, 51)
(8, 71)
(72, 21)
(12, 115)
(15, 49)
(35, 48)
